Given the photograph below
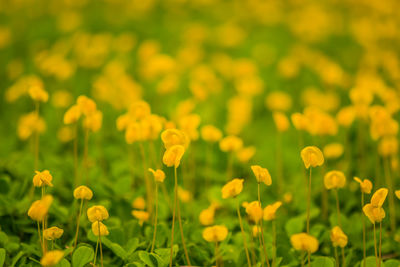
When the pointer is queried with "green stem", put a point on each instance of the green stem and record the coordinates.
(336, 257)
(364, 234)
(375, 246)
(309, 203)
(243, 235)
(77, 223)
(262, 228)
(173, 219)
(338, 207)
(155, 220)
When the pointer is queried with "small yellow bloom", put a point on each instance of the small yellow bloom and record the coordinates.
(40, 208)
(72, 115)
(83, 192)
(281, 121)
(211, 134)
(53, 233)
(142, 216)
(262, 174)
(338, 238)
(287, 197)
(42, 178)
(365, 185)
(256, 230)
(312, 157)
(216, 233)
(374, 213)
(334, 179)
(139, 203)
(184, 195)
(159, 175)
(93, 121)
(86, 105)
(278, 101)
(97, 213)
(333, 151)
(232, 188)
(173, 137)
(51, 258)
(397, 193)
(304, 242)
(245, 154)
(173, 155)
(299, 121)
(270, 211)
(378, 198)
(255, 211)
(139, 110)
(388, 146)
(206, 216)
(103, 229)
(189, 124)
(231, 143)
(37, 93)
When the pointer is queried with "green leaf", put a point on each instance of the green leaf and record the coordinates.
(392, 263)
(294, 225)
(2, 256)
(323, 262)
(370, 262)
(151, 259)
(82, 256)
(63, 263)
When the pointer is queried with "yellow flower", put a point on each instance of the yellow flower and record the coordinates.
(37, 93)
(365, 185)
(29, 124)
(256, 230)
(304, 242)
(333, 151)
(86, 105)
(173, 155)
(172, 137)
(139, 110)
(40, 208)
(184, 195)
(278, 101)
(262, 174)
(72, 115)
(288, 197)
(374, 213)
(312, 157)
(334, 179)
(299, 121)
(159, 175)
(61, 99)
(281, 121)
(346, 116)
(83, 192)
(231, 143)
(211, 134)
(245, 154)
(51, 258)
(53, 233)
(139, 203)
(216, 233)
(270, 211)
(93, 121)
(206, 216)
(254, 210)
(189, 124)
(397, 193)
(97, 213)
(378, 198)
(42, 178)
(338, 238)
(103, 229)
(388, 146)
(232, 188)
(142, 216)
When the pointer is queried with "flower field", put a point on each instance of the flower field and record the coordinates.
(254, 133)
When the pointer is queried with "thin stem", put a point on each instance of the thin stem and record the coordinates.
(343, 258)
(309, 203)
(155, 221)
(85, 155)
(181, 229)
(262, 228)
(309, 258)
(336, 257)
(375, 246)
(389, 184)
(279, 162)
(77, 223)
(76, 153)
(173, 218)
(36, 138)
(338, 207)
(273, 243)
(44, 244)
(243, 235)
(147, 180)
(302, 259)
(40, 238)
(364, 234)
(52, 244)
(216, 255)
(260, 242)
(380, 243)
(229, 169)
(101, 249)
(95, 253)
